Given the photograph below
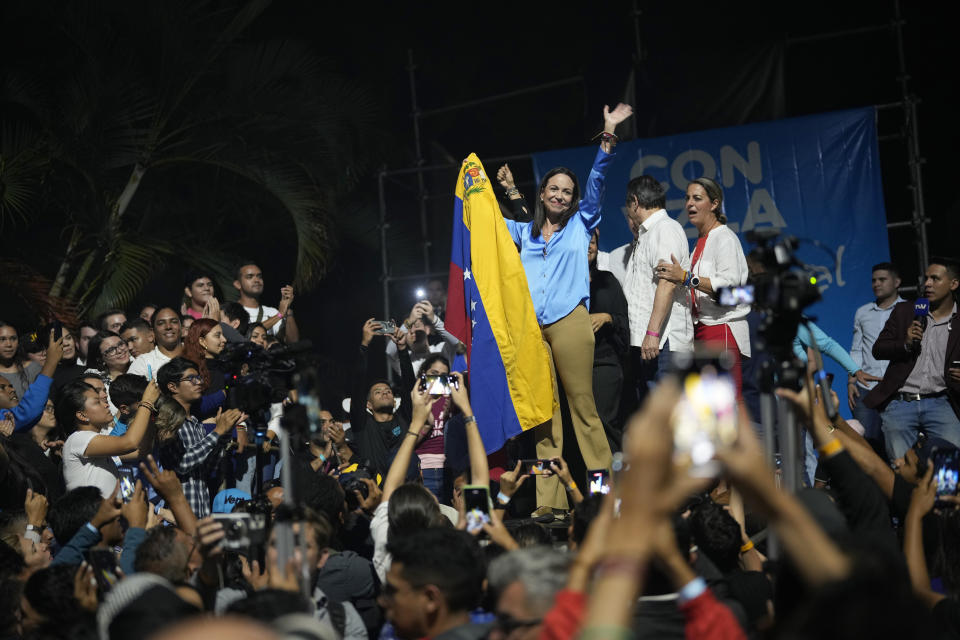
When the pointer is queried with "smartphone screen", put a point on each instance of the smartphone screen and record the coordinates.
(436, 385)
(734, 296)
(946, 471)
(128, 483)
(705, 418)
(104, 564)
(537, 467)
(598, 481)
(476, 502)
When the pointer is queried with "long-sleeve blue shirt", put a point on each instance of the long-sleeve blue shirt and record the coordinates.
(557, 271)
(30, 408)
(827, 345)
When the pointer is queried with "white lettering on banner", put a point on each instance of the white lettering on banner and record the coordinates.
(840, 280)
(762, 210)
(699, 156)
(750, 167)
(824, 276)
(640, 166)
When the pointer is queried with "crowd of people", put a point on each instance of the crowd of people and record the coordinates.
(156, 486)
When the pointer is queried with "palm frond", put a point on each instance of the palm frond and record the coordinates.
(22, 165)
(125, 270)
(24, 288)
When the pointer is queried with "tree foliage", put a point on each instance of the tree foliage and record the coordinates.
(144, 132)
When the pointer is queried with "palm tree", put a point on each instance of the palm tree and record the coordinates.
(138, 129)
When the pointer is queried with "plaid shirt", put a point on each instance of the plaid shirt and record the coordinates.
(201, 452)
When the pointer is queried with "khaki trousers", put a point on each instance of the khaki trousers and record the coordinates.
(570, 342)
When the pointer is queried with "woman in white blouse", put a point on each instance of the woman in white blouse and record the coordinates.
(717, 262)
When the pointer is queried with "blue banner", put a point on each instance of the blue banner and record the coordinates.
(815, 177)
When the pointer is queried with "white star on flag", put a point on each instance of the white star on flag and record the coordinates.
(474, 323)
(466, 274)
(473, 305)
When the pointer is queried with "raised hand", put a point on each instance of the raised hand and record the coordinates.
(54, 348)
(620, 113)
(85, 588)
(151, 393)
(374, 496)
(36, 507)
(252, 574)
(286, 298)
(924, 494)
(166, 482)
(212, 309)
(226, 420)
(498, 532)
(505, 177)
(459, 393)
(370, 329)
(109, 509)
(6, 426)
(560, 468)
(137, 509)
(510, 481)
(429, 315)
(209, 535)
(422, 402)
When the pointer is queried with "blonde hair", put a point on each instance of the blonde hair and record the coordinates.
(170, 417)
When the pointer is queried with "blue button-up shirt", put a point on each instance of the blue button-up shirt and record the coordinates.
(867, 325)
(557, 271)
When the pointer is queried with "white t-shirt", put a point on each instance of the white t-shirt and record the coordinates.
(83, 471)
(266, 314)
(379, 526)
(155, 359)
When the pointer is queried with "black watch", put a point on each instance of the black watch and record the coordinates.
(694, 281)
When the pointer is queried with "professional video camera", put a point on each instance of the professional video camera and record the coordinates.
(784, 288)
(257, 377)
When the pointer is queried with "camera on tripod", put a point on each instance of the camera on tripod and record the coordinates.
(781, 287)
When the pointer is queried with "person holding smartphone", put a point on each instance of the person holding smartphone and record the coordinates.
(89, 457)
(408, 507)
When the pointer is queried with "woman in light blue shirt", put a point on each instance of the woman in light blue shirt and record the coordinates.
(553, 249)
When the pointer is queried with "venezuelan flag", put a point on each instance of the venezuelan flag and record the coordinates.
(489, 309)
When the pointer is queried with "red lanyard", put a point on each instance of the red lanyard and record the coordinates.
(697, 251)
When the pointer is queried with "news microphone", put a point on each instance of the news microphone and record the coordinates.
(921, 309)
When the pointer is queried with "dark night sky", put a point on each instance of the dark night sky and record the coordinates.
(465, 52)
(465, 55)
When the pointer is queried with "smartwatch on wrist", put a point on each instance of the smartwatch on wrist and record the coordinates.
(694, 281)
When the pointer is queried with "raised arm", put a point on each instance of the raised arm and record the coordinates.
(817, 558)
(291, 332)
(921, 502)
(422, 403)
(518, 204)
(479, 469)
(167, 484)
(361, 378)
(30, 407)
(591, 203)
(131, 439)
